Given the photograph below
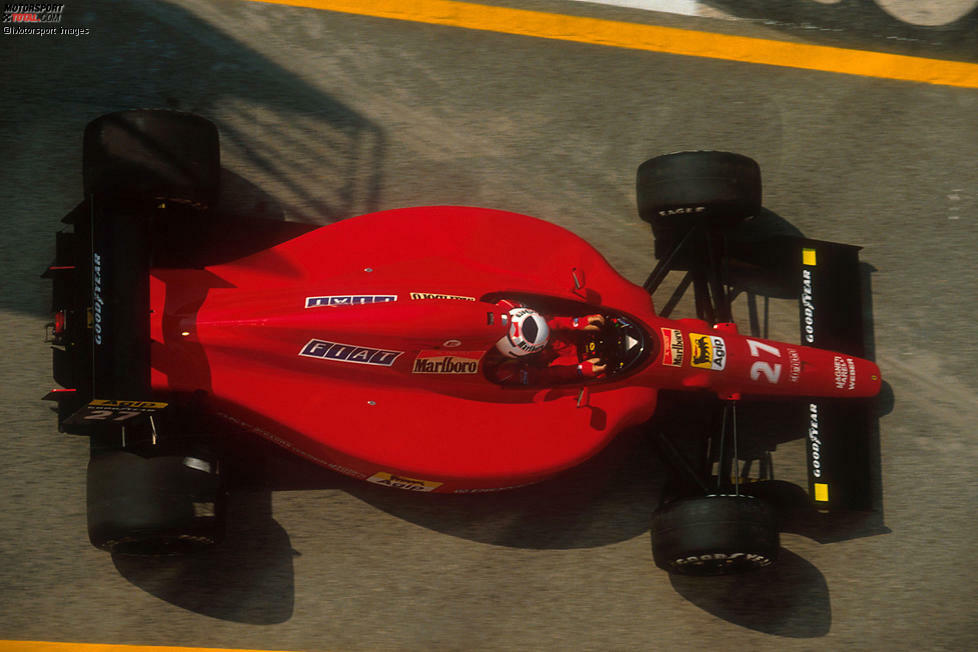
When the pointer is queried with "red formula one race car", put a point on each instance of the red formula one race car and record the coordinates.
(417, 349)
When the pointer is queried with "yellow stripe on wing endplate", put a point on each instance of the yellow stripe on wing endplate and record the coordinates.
(808, 257)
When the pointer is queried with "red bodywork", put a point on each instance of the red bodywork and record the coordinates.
(366, 386)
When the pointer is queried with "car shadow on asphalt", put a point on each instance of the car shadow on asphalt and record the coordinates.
(321, 159)
(790, 598)
(247, 579)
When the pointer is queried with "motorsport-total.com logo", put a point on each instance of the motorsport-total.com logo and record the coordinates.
(36, 19)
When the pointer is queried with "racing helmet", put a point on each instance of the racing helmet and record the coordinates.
(528, 333)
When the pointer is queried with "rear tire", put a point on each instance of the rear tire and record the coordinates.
(677, 191)
(714, 535)
(155, 505)
(152, 153)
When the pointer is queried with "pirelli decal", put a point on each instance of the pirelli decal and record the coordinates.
(435, 295)
(441, 362)
(401, 482)
(708, 351)
(673, 351)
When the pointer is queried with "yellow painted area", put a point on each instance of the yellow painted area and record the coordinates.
(44, 646)
(821, 492)
(657, 39)
(808, 257)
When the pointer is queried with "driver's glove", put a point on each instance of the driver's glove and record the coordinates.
(591, 368)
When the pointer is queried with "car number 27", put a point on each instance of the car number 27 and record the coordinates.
(771, 372)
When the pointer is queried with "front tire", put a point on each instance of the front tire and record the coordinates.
(677, 191)
(714, 535)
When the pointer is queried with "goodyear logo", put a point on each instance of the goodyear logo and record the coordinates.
(673, 350)
(708, 351)
(401, 482)
(435, 295)
(349, 353)
(438, 362)
(348, 300)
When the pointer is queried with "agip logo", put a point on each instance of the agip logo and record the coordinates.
(708, 351)
(402, 482)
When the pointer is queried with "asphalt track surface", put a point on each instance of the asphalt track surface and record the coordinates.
(326, 115)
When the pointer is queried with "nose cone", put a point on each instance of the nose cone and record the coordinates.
(843, 375)
(862, 377)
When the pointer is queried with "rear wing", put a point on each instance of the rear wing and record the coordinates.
(101, 292)
(842, 433)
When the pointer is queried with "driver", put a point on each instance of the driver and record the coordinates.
(541, 351)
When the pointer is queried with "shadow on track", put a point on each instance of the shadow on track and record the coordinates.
(248, 579)
(789, 599)
(320, 159)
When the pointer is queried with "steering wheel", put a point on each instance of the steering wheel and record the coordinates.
(602, 343)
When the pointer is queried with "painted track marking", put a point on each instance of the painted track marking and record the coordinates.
(653, 38)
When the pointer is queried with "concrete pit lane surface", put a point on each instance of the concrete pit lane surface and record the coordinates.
(326, 114)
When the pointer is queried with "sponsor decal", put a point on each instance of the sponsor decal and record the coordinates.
(756, 559)
(348, 300)
(113, 411)
(490, 490)
(436, 295)
(401, 482)
(807, 306)
(708, 351)
(438, 362)
(98, 303)
(685, 210)
(349, 353)
(145, 406)
(451, 344)
(345, 470)
(673, 350)
(794, 365)
(845, 373)
(814, 442)
(284, 443)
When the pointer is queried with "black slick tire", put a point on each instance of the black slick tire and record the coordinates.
(676, 191)
(152, 153)
(154, 505)
(714, 535)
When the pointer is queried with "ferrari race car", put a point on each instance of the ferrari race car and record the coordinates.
(381, 347)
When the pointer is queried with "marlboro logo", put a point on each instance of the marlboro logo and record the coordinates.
(673, 350)
(439, 362)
